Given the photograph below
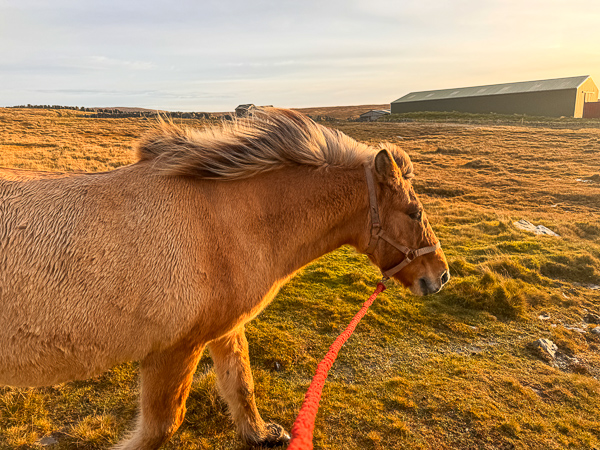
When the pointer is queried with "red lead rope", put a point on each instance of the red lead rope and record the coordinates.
(302, 431)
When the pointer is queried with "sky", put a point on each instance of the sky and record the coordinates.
(206, 55)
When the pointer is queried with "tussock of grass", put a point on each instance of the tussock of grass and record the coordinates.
(580, 267)
(95, 431)
(512, 267)
(448, 371)
(587, 230)
(491, 293)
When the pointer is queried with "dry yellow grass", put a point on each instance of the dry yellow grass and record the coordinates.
(451, 371)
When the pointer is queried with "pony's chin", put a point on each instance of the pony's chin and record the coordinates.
(424, 286)
(416, 289)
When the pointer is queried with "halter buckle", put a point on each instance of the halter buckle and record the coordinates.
(386, 281)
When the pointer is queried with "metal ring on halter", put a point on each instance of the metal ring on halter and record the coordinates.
(385, 281)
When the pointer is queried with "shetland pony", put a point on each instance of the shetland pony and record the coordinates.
(157, 260)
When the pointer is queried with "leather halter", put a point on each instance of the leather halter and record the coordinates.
(378, 233)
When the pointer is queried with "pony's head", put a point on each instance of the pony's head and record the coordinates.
(402, 243)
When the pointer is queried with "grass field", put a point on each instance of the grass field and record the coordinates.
(450, 371)
(492, 119)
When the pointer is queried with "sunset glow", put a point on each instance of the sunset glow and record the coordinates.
(211, 56)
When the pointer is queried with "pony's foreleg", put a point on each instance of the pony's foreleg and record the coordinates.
(166, 378)
(234, 379)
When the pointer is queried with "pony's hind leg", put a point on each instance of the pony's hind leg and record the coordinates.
(166, 378)
(234, 379)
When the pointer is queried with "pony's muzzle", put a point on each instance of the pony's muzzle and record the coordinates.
(428, 286)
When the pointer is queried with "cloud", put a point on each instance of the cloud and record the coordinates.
(190, 54)
(104, 62)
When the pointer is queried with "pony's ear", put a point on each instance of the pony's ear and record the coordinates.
(386, 168)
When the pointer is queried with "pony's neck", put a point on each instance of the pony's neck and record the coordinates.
(315, 212)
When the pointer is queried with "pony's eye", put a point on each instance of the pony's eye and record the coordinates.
(417, 215)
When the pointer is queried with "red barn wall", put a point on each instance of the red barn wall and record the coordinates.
(591, 110)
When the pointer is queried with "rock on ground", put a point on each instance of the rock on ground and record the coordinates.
(591, 318)
(539, 229)
(545, 348)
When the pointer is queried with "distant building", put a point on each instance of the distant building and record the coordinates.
(373, 115)
(248, 109)
(557, 97)
(244, 110)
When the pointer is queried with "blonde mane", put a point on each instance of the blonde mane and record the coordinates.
(273, 138)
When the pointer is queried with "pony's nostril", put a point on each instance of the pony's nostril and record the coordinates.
(424, 286)
(445, 277)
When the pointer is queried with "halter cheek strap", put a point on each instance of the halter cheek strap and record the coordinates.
(378, 233)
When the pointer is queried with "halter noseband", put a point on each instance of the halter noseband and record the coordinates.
(377, 232)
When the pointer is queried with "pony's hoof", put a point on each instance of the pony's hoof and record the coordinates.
(276, 435)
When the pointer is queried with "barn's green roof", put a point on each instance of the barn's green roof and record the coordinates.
(556, 84)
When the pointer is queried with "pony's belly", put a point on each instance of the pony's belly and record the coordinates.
(47, 374)
(37, 363)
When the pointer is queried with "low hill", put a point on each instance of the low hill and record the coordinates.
(340, 112)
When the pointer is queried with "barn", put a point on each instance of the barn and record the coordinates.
(373, 115)
(557, 97)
